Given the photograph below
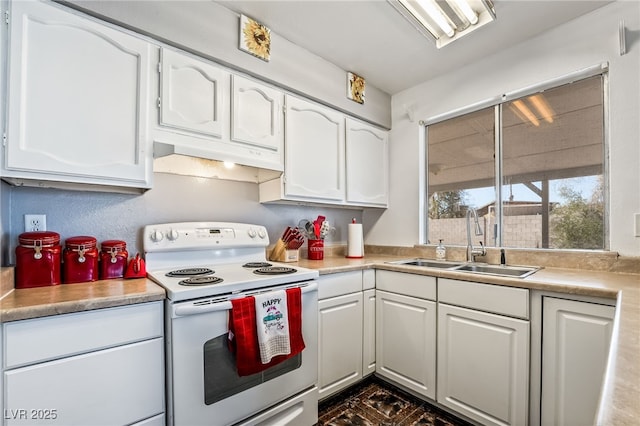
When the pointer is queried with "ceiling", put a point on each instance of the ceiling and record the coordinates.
(369, 38)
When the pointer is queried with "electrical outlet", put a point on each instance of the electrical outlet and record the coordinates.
(35, 222)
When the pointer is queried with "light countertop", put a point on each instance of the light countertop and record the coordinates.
(37, 302)
(620, 399)
(620, 403)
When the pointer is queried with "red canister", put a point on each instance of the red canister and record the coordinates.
(80, 260)
(113, 259)
(38, 259)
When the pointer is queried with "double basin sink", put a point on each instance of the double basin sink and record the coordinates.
(475, 268)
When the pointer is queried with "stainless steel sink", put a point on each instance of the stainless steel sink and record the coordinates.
(474, 268)
(428, 263)
(505, 271)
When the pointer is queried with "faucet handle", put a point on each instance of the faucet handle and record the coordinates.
(483, 251)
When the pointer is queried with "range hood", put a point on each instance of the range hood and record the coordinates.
(213, 164)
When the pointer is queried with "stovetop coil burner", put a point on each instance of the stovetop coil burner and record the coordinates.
(275, 270)
(256, 265)
(190, 272)
(196, 281)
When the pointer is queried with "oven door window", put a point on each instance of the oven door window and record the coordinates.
(221, 379)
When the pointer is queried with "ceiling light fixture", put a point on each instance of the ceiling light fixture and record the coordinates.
(466, 10)
(445, 20)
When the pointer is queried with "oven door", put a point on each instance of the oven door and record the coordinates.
(204, 387)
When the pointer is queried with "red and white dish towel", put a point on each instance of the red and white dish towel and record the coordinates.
(272, 324)
(269, 337)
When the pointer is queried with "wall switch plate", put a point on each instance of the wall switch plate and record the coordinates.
(35, 222)
(637, 222)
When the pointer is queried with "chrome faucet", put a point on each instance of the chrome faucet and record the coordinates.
(472, 252)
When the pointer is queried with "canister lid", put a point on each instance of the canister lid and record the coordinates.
(81, 240)
(44, 238)
(111, 244)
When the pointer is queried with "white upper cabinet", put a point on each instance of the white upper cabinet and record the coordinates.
(192, 94)
(330, 159)
(367, 164)
(256, 114)
(77, 110)
(314, 158)
(206, 112)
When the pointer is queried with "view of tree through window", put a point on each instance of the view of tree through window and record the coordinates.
(552, 179)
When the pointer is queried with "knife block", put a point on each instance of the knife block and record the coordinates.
(280, 253)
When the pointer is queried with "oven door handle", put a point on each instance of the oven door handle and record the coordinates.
(183, 311)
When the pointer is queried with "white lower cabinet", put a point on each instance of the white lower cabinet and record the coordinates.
(483, 351)
(369, 332)
(406, 330)
(492, 354)
(575, 343)
(340, 332)
(483, 365)
(102, 367)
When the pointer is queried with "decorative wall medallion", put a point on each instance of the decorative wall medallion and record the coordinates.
(255, 38)
(355, 87)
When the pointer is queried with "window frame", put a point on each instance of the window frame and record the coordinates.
(497, 103)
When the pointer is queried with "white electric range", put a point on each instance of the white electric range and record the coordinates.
(202, 266)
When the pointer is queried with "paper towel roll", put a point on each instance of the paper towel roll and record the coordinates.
(355, 241)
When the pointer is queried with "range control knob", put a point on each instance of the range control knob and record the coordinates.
(172, 235)
(252, 232)
(262, 233)
(156, 236)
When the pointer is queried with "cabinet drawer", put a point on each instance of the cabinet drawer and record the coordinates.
(116, 386)
(339, 284)
(42, 339)
(497, 299)
(421, 286)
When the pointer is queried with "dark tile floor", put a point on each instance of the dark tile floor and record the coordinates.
(376, 403)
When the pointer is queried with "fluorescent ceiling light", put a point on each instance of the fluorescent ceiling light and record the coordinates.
(446, 20)
(466, 10)
(435, 13)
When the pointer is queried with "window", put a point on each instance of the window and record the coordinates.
(532, 167)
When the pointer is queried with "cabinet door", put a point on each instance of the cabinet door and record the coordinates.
(406, 341)
(369, 333)
(314, 155)
(575, 345)
(256, 114)
(121, 385)
(77, 100)
(339, 343)
(367, 164)
(192, 94)
(483, 365)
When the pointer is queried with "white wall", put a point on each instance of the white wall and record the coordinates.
(174, 198)
(589, 40)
